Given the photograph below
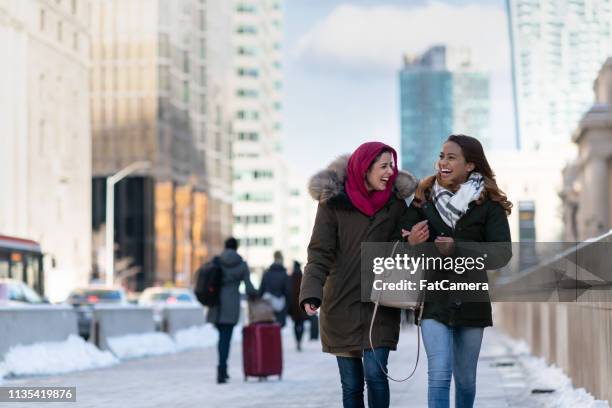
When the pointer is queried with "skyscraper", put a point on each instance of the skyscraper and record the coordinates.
(440, 94)
(558, 48)
(45, 144)
(150, 101)
(260, 174)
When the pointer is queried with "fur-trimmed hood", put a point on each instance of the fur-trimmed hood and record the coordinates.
(328, 184)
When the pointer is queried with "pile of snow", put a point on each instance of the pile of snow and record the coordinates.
(203, 336)
(552, 377)
(196, 337)
(542, 376)
(141, 345)
(48, 358)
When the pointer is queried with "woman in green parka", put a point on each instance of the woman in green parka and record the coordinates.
(361, 199)
(463, 213)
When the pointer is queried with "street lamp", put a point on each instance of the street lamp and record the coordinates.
(110, 214)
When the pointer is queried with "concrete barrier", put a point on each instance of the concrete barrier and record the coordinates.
(176, 318)
(25, 325)
(117, 321)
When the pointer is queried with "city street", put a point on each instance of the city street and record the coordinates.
(310, 379)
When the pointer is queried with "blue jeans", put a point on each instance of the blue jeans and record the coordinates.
(352, 373)
(451, 351)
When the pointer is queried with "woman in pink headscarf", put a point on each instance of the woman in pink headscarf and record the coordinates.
(361, 199)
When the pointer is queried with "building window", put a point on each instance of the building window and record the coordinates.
(251, 114)
(244, 50)
(246, 29)
(246, 8)
(60, 29)
(263, 174)
(42, 20)
(248, 136)
(247, 93)
(256, 241)
(186, 91)
(203, 104)
(74, 6)
(249, 72)
(257, 197)
(202, 22)
(75, 41)
(253, 219)
(185, 61)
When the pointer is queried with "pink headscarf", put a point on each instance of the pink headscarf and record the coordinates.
(368, 203)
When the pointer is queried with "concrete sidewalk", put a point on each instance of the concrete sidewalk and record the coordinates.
(310, 379)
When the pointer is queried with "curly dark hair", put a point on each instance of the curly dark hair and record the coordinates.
(473, 153)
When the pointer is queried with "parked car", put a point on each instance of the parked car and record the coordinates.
(160, 297)
(14, 292)
(84, 299)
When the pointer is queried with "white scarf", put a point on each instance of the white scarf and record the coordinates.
(452, 206)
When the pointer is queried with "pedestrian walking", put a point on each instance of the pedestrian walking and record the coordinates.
(297, 313)
(225, 314)
(361, 199)
(275, 288)
(459, 205)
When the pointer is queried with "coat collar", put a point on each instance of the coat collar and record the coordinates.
(327, 186)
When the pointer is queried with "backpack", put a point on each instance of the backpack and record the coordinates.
(208, 283)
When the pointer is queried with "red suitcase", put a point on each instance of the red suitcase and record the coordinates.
(262, 350)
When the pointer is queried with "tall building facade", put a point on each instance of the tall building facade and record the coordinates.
(557, 50)
(261, 184)
(587, 189)
(45, 153)
(218, 149)
(440, 94)
(300, 219)
(150, 102)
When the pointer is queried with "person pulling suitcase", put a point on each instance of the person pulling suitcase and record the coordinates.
(217, 287)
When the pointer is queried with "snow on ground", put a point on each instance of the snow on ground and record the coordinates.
(47, 358)
(196, 337)
(550, 377)
(141, 345)
(74, 354)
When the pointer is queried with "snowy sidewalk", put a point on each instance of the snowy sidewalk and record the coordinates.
(310, 379)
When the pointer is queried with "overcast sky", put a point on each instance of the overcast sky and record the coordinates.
(341, 65)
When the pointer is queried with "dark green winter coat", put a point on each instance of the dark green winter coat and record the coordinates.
(485, 222)
(332, 276)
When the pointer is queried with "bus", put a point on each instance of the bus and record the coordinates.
(22, 260)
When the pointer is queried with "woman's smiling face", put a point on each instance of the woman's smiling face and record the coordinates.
(380, 173)
(453, 170)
